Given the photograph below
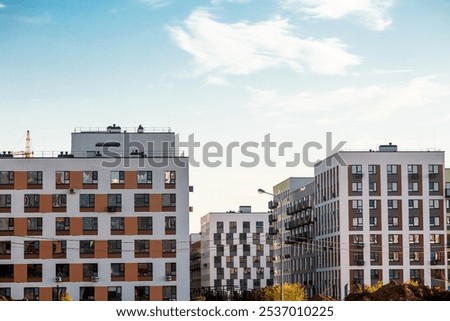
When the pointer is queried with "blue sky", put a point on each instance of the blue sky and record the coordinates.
(369, 71)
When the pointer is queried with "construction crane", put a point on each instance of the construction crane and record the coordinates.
(28, 152)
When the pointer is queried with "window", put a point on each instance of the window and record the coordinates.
(391, 169)
(357, 187)
(34, 224)
(259, 249)
(434, 238)
(145, 223)
(413, 169)
(356, 169)
(394, 238)
(433, 169)
(168, 200)
(245, 249)
(372, 186)
(6, 224)
(90, 177)
(392, 204)
(434, 186)
(233, 273)
(358, 239)
(5, 201)
(171, 269)
(114, 201)
(31, 294)
(31, 201)
(114, 293)
(357, 204)
(171, 223)
(233, 227)
(90, 223)
(373, 221)
(169, 246)
(117, 177)
(87, 200)
(6, 178)
(373, 238)
(141, 246)
(34, 178)
(141, 293)
(5, 292)
(5, 248)
(373, 256)
(394, 256)
(7, 270)
(243, 261)
(392, 187)
(114, 246)
(169, 177)
(219, 227)
(62, 178)
(414, 221)
(230, 260)
(374, 274)
(392, 221)
(246, 227)
(413, 204)
(31, 247)
(141, 200)
(117, 269)
(372, 169)
(87, 293)
(414, 256)
(372, 204)
(87, 247)
(169, 293)
(434, 204)
(414, 238)
(62, 223)
(144, 177)
(34, 270)
(59, 200)
(117, 223)
(62, 270)
(357, 222)
(394, 274)
(435, 256)
(145, 269)
(259, 227)
(434, 221)
(413, 186)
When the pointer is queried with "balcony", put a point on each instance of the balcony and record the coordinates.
(272, 205)
(273, 218)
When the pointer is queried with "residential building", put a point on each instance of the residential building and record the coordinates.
(196, 256)
(235, 250)
(107, 221)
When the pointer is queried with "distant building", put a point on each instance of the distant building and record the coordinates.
(235, 250)
(107, 221)
(196, 258)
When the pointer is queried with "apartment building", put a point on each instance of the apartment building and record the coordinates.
(235, 250)
(447, 217)
(107, 221)
(196, 257)
(380, 217)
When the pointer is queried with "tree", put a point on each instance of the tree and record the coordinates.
(291, 292)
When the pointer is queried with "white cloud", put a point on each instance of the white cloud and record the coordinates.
(372, 13)
(230, 1)
(364, 104)
(2, 6)
(243, 48)
(157, 3)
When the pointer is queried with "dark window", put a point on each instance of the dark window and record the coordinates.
(145, 223)
(34, 177)
(6, 178)
(90, 223)
(141, 200)
(5, 201)
(87, 200)
(117, 223)
(31, 201)
(87, 247)
(168, 200)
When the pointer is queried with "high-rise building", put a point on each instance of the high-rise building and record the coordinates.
(107, 221)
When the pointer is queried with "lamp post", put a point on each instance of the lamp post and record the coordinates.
(278, 199)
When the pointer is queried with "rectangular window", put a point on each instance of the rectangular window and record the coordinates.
(433, 169)
(394, 274)
(357, 204)
(5, 201)
(6, 224)
(114, 293)
(259, 227)
(141, 200)
(117, 269)
(372, 169)
(414, 238)
(31, 294)
(145, 269)
(90, 223)
(62, 178)
(373, 238)
(357, 222)
(5, 248)
(62, 223)
(87, 200)
(394, 238)
(356, 169)
(413, 187)
(392, 186)
(90, 269)
(433, 186)
(232, 227)
(373, 256)
(414, 221)
(434, 238)
(90, 177)
(391, 169)
(372, 186)
(31, 247)
(115, 201)
(413, 204)
(358, 239)
(392, 221)
(141, 246)
(373, 221)
(145, 223)
(414, 256)
(6, 178)
(169, 200)
(169, 293)
(117, 223)
(59, 200)
(87, 247)
(394, 256)
(34, 224)
(246, 227)
(141, 293)
(219, 227)
(372, 204)
(34, 177)
(434, 204)
(114, 246)
(357, 187)
(434, 221)
(171, 269)
(171, 223)
(413, 169)
(117, 177)
(169, 246)
(144, 177)
(392, 204)
(169, 177)
(31, 200)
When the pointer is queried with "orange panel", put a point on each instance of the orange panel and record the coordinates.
(131, 272)
(101, 294)
(45, 294)
(156, 248)
(101, 202)
(46, 203)
(131, 226)
(101, 249)
(76, 226)
(20, 226)
(76, 180)
(20, 273)
(45, 249)
(76, 272)
(155, 203)
(130, 180)
(20, 180)
(156, 293)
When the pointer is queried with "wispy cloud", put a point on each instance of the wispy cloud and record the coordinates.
(35, 20)
(372, 13)
(2, 6)
(157, 3)
(365, 104)
(241, 48)
(230, 1)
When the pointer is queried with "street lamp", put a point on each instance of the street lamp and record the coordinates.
(278, 199)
